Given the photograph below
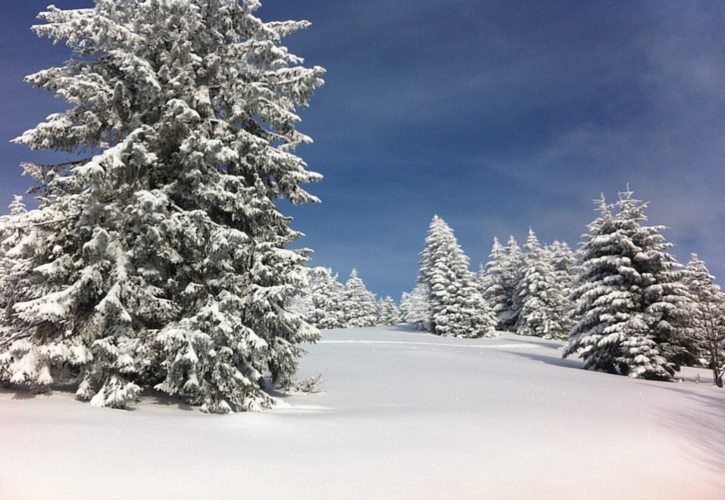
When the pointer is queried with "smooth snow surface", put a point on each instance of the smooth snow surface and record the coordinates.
(403, 415)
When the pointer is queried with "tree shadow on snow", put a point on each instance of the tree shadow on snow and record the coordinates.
(161, 399)
(149, 396)
(703, 429)
(20, 393)
(405, 327)
(555, 360)
(549, 344)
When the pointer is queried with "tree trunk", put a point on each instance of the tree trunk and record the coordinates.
(716, 362)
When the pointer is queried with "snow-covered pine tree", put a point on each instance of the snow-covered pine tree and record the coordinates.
(607, 296)
(404, 305)
(709, 320)
(417, 308)
(628, 302)
(512, 269)
(301, 303)
(393, 311)
(13, 265)
(13, 228)
(566, 269)
(379, 302)
(563, 260)
(326, 294)
(359, 304)
(543, 307)
(493, 280)
(163, 259)
(16, 208)
(666, 302)
(456, 304)
(389, 313)
(603, 297)
(433, 250)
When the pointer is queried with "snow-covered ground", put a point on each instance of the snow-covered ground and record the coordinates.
(403, 415)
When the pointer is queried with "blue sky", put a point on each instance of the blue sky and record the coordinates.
(496, 116)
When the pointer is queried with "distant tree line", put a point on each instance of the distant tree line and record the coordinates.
(326, 303)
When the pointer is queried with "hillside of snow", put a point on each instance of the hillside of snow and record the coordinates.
(402, 414)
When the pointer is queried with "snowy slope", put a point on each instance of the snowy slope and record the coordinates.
(403, 415)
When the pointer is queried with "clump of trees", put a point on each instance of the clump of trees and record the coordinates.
(326, 303)
(622, 301)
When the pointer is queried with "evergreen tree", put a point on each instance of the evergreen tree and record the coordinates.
(456, 305)
(404, 305)
(631, 309)
(543, 308)
(359, 303)
(417, 308)
(13, 228)
(326, 294)
(301, 302)
(512, 267)
(709, 319)
(566, 271)
(564, 262)
(379, 302)
(607, 297)
(431, 251)
(163, 260)
(494, 280)
(17, 207)
(667, 306)
(13, 264)
(389, 313)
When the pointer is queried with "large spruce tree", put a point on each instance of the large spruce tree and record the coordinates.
(159, 256)
(667, 306)
(607, 300)
(632, 307)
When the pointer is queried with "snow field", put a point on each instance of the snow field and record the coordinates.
(403, 415)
